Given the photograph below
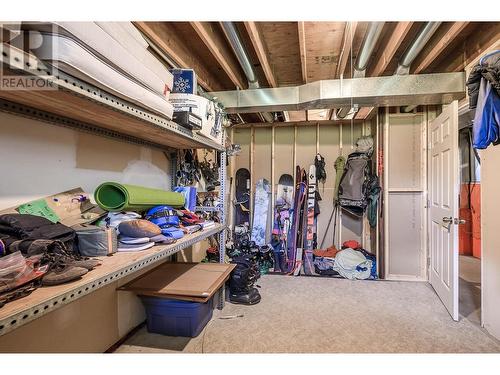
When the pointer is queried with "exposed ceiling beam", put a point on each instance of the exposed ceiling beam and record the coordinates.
(480, 38)
(218, 47)
(165, 37)
(443, 42)
(261, 51)
(364, 113)
(303, 52)
(345, 52)
(389, 50)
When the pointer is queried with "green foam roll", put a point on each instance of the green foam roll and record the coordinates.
(112, 196)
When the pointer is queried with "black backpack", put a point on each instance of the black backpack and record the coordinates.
(355, 182)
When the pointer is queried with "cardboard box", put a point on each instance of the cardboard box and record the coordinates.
(211, 116)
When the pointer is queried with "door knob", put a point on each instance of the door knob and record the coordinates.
(447, 220)
(458, 221)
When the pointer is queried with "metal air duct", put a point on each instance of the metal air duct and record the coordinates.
(413, 51)
(361, 63)
(416, 47)
(242, 56)
(395, 90)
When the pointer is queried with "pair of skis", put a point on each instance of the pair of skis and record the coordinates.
(300, 256)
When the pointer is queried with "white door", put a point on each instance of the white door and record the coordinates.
(443, 197)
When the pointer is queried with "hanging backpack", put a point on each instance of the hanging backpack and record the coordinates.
(355, 182)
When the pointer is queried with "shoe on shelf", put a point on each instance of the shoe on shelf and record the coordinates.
(88, 264)
(62, 273)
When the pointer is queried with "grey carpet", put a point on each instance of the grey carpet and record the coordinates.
(470, 288)
(320, 315)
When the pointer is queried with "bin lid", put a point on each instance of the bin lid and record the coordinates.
(185, 281)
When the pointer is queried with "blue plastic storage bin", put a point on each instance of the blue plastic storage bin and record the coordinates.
(176, 318)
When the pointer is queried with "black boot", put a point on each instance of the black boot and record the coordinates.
(241, 282)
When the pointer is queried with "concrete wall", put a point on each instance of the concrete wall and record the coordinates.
(38, 159)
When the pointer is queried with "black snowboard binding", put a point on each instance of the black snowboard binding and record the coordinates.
(243, 277)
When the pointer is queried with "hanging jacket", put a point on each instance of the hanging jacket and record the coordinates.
(488, 68)
(486, 125)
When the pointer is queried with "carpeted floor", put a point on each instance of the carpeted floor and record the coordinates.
(470, 288)
(309, 314)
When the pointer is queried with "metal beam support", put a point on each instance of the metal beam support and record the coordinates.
(223, 208)
(394, 90)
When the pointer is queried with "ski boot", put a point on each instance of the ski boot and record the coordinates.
(241, 290)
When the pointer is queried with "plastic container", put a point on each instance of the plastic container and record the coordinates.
(176, 318)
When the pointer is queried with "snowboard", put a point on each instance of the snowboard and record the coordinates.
(285, 190)
(260, 212)
(281, 225)
(310, 223)
(242, 194)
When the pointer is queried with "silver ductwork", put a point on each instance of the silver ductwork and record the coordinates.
(366, 50)
(242, 56)
(412, 52)
(395, 90)
(369, 42)
(416, 47)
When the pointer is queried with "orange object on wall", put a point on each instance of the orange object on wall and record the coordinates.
(469, 234)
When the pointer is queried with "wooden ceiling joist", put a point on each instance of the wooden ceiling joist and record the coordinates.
(303, 52)
(165, 37)
(345, 52)
(365, 113)
(260, 49)
(389, 50)
(436, 50)
(221, 51)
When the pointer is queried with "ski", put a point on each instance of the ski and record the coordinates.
(310, 229)
(299, 215)
(295, 222)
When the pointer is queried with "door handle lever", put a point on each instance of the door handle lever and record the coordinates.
(447, 220)
(458, 221)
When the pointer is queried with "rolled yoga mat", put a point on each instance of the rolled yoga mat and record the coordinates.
(112, 196)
